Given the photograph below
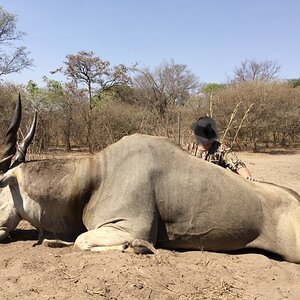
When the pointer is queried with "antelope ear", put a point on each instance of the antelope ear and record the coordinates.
(7, 179)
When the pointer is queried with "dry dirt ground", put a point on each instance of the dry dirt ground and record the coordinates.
(39, 272)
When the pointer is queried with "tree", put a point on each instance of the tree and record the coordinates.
(36, 98)
(60, 119)
(95, 76)
(178, 82)
(168, 85)
(210, 90)
(263, 113)
(252, 70)
(58, 96)
(149, 91)
(12, 59)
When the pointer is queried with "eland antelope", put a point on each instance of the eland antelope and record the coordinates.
(145, 188)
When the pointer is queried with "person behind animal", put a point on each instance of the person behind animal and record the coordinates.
(210, 149)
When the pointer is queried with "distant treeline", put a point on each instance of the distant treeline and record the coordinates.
(252, 115)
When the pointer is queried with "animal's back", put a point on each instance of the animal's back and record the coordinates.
(192, 199)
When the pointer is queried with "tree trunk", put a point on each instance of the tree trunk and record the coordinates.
(68, 131)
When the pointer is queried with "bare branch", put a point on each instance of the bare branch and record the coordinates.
(15, 62)
(8, 31)
(17, 59)
(251, 70)
(230, 121)
(241, 123)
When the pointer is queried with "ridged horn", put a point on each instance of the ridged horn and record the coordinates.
(11, 138)
(23, 146)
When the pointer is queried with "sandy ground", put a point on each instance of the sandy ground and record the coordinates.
(39, 272)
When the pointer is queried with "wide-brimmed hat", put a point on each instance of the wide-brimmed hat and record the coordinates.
(205, 130)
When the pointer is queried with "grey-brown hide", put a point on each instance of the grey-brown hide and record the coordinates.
(61, 189)
(148, 188)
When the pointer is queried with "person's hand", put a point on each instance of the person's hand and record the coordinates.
(251, 178)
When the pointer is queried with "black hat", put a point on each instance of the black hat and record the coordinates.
(205, 130)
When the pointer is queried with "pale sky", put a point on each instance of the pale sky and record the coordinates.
(211, 37)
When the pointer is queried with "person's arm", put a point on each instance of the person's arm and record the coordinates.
(234, 163)
(244, 172)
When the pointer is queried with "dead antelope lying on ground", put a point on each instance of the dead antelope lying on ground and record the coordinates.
(146, 188)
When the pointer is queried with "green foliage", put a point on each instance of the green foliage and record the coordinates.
(32, 89)
(212, 87)
(46, 98)
(294, 82)
(121, 93)
(54, 91)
